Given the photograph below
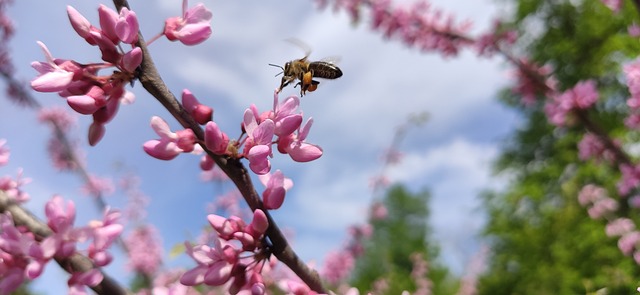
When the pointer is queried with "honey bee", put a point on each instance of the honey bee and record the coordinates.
(305, 71)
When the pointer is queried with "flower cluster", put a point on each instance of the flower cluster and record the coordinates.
(281, 126)
(224, 263)
(89, 93)
(420, 26)
(580, 97)
(632, 73)
(596, 198)
(533, 80)
(23, 257)
(592, 147)
(629, 236)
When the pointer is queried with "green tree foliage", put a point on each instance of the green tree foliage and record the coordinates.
(543, 241)
(388, 253)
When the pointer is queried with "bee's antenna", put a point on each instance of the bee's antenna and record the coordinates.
(277, 66)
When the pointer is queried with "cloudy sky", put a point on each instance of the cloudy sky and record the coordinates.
(354, 119)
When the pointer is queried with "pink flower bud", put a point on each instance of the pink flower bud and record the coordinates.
(96, 132)
(132, 59)
(260, 223)
(215, 140)
(192, 28)
(126, 26)
(80, 24)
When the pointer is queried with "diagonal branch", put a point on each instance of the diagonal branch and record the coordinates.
(152, 82)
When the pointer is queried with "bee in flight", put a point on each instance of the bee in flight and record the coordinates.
(305, 71)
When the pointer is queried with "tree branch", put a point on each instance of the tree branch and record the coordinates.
(153, 83)
(74, 263)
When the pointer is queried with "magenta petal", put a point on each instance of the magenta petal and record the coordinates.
(194, 276)
(214, 139)
(34, 269)
(108, 19)
(218, 273)
(189, 101)
(273, 197)
(96, 132)
(288, 125)
(304, 152)
(104, 236)
(127, 26)
(132, 59)
(52, 81)
(258, 159)
(260, 223)
(83, 104)
(195, 33)
(80, 24)
(161, 150)
(264, 133)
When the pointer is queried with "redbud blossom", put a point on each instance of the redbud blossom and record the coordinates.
(581, 96)
(52, 78)
(633, 30)
(79, 280)
(614, 5)
(201, 113)
(276, 187)
(215, 140)
(170, 144)
(619, 227)
(13, 187)
(4, 152)
(257, 148)
(192, 28)
(630, 178)
(127, 26)
(628, 242)
(297, 148)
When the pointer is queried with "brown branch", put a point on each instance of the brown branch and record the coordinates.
(74, 263)
(152, 82)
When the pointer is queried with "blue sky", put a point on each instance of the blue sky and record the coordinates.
(355, 117)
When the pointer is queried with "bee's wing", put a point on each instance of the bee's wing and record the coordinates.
(332, 59)
(302, 45)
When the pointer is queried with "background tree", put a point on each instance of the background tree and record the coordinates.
(543, 241)
(397, 238)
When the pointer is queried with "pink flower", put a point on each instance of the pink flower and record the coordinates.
(78, 281)
(214, 264)
(633, 30)
(277, 185)
(619, 227)
(628, 242)
(170, 144)
(614, 5)
(297, 148)
(126, 27)
(192, 28)
(104, 233)
(97, 186)
(582, 96)
(52, 78)
(215, 140)
(337, 266)
(630, 179)
(145, 250)
(257, 148)
(284, 117)
(13, 187)
(632, 73)
(4, 152)
(57, 116)
(201, 113)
